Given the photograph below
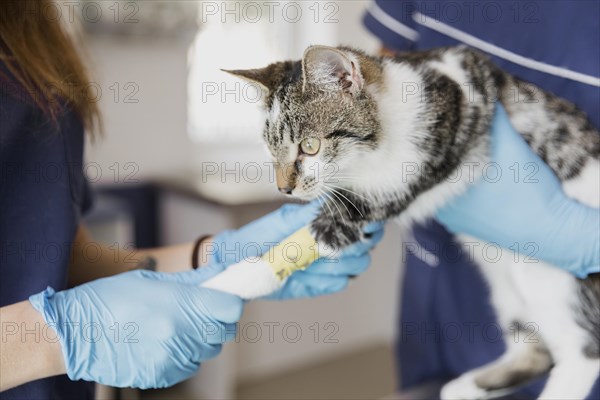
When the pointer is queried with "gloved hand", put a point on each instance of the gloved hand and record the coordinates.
(324, 276)
(140, 329)
(331, 275)
(527, 213)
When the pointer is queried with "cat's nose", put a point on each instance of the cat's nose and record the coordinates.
(286, 189)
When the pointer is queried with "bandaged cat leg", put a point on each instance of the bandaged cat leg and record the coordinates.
(257, 277)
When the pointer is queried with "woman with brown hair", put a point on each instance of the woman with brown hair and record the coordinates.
(144, 328)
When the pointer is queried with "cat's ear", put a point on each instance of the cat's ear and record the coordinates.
(331, 69)
(269, 78)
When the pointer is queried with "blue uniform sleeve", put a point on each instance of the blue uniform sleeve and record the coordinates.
(392, 23)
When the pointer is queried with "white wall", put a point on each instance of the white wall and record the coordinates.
(152, 132)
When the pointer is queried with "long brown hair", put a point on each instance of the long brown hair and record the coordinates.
(43, 58)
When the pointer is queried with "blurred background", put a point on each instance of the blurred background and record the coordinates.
(182, 156)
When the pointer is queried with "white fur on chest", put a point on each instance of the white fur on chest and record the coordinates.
(398, 159)
(392, 164)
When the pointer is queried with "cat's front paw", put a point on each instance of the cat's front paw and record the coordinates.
(463, 388)
(325, 245)
(325, 250)
(332, 235)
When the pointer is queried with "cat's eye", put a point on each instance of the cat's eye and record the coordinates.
(310, 146)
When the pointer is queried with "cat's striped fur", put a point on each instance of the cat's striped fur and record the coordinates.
(431, 111)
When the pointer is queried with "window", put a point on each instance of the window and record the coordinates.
(252, 34)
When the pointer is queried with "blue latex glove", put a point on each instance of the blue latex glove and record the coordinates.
(140, 329)
(529, 212)
(322, 277)
(331, 275)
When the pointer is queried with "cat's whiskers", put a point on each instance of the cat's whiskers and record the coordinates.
(329, 177)
(319, 200)
(337, 195)
(320, 196)
(374, 193)
(329, 196)
(366, 197)
(334, 191)
(348, 190)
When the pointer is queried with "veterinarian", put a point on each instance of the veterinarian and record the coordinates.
(554, 45)
(147, 328)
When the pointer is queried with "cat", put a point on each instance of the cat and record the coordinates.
(341, 125)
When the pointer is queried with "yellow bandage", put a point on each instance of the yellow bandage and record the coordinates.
(295, 253)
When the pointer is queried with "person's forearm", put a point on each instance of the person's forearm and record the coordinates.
(167, 259)
(30, 349)
(174, 258)
(93, 260)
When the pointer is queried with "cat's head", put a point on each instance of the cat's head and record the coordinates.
(321, 117)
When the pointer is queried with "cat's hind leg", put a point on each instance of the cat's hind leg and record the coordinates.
(572, 379)
(522, 362)
(577, 366)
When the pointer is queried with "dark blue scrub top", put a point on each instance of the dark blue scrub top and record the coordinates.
(43, 194)
(445, 328)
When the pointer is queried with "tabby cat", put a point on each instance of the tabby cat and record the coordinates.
(341, 126)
